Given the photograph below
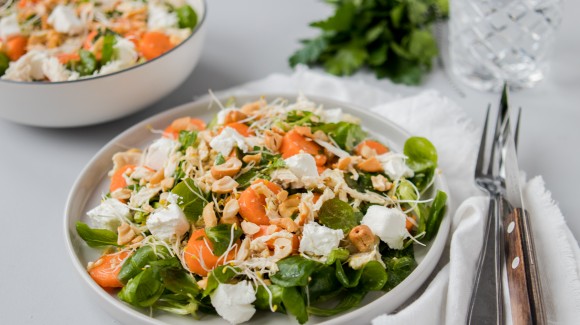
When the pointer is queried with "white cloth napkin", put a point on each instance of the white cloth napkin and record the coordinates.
(456, 138)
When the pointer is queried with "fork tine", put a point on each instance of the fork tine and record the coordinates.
(479, 168)
(501, 123)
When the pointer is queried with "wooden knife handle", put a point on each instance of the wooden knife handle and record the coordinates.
(516, 268)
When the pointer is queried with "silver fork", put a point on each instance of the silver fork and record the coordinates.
(486, 305)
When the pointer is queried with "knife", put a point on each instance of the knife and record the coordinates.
(524, 285)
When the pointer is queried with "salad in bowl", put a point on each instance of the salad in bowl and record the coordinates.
(272, 207)
(55, 41)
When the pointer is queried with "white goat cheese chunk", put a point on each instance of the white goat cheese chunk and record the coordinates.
(319, 240)
(394, 165)
(227, 140)
(159, 152)
(9, 27)
(27, 68)
(333, 115)
(109, 214)
(168, 223)
(302, 165)
(65, 20)
(388, 224)
(160, 18)
(233, 302)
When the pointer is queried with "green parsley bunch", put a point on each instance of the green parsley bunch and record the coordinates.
(393, 38)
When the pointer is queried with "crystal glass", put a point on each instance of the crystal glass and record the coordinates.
(492, 41)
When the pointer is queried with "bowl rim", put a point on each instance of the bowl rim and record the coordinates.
(43, 83)
(109, 303)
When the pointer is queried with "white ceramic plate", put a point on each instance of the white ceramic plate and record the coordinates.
(93, 183)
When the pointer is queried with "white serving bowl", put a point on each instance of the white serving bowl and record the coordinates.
(108, 97)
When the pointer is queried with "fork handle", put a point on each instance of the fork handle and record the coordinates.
(486, 305)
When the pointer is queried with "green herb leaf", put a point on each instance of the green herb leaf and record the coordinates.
(341, 21)
(294, 271)
(108, 48)
(436, 214)
(144, 289)
(219, 159)
(294, 303)
(310, 51)
(346, 135)
(96, 237)
(192, 200)
(220, 236)
(263, 297)
(337, 214)
(422, 159)
(373, 277)
(187, 139)
(220, 274)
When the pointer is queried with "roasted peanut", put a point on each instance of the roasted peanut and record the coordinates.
(362, 238)
(125, 234)
(230, 168)
(282, 248)
(251, 108)
(249, 228)
(304, 131)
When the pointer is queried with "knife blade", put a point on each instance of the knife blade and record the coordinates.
(521, 264)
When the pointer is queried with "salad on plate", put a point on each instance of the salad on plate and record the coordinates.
(65, 40)
(280, 206)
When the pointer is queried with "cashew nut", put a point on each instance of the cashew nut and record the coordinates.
(249, 228)
(272, 140)
(289, 206)
(251, 108)
(208, 215)
(282, 248)
(230, 212)
(252, 158)
(285, 223)
(381, 183)
(125, 234)
(224, 185)
(371, 164)
(234, 116)
(362, 238)
(230, 168)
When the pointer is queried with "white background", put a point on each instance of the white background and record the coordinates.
(246, 40)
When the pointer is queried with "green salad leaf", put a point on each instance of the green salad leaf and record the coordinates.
(436, 214)
(107, 51)
(192, 200)
(96, 237)
(346, 135)
(422, 159)
(4, 63)
(337, 214)
(144, 289)
(294, 304)
(294, 271)
(187, 139)
(220, 236)
(263, 298)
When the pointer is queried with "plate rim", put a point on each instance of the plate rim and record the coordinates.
(113, 306)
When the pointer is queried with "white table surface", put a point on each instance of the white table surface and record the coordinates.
(246, 40)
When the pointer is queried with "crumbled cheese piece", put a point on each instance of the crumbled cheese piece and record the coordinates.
(109, 214)
(168, 223)
(65, 20)
(394, 165)
(9, 26)
(233, 302)
(160, 18)
(125, 52)
(159, 152)
(388, 224)
(319, 240)
(54, 70)
(333, 115)
(227, 140)
(143, 196)
(302, 165)
(332, 148)
(27, 68)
